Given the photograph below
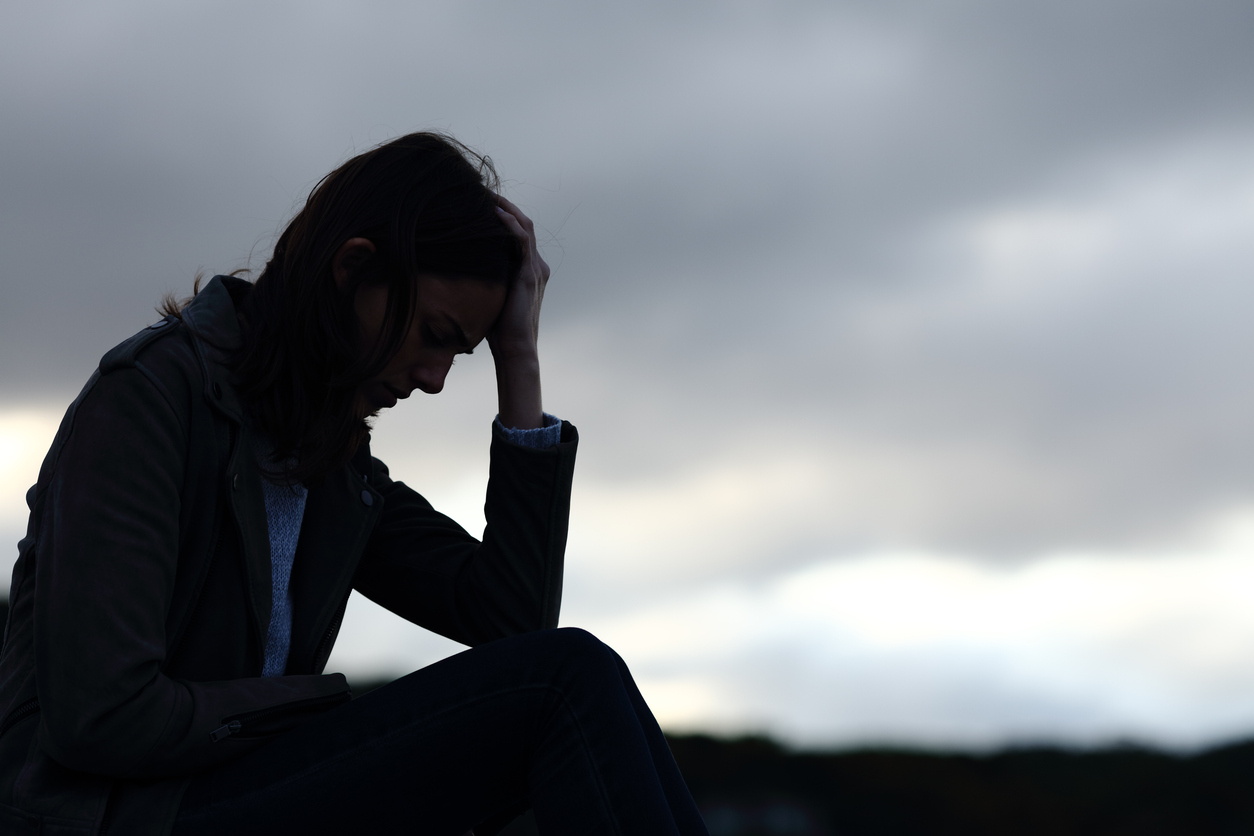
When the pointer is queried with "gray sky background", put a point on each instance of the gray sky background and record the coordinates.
(949, 297)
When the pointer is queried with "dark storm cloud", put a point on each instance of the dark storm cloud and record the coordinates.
(758, 215)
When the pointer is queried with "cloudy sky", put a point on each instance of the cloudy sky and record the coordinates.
(908, 342)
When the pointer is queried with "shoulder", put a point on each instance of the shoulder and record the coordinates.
(163, 356)
(125, 353)
(146, 384)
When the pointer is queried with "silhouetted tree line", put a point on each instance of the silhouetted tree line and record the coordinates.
(755, 787)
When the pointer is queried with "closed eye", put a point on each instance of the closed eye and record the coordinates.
(433, 340)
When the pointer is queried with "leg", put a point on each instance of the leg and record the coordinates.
(550, 716)
(683, 808)
(642, 788)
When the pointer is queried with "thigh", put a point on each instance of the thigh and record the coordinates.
(440, 749)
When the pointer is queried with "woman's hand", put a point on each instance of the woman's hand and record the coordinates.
(514, 338)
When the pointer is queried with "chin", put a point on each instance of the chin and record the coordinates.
(366, 407)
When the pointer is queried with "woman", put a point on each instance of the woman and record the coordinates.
(210, 501)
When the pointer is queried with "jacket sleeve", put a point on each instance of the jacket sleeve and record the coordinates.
(428, 569)
(107, 559)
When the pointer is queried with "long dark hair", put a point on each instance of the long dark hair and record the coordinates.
(428, 204)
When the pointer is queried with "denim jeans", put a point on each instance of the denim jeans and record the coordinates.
(550, 720)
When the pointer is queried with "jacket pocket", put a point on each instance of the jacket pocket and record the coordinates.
(266, 722)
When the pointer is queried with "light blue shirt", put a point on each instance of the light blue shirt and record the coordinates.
(285, 509)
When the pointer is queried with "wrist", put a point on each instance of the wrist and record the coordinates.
(523, 354)
(516, 355)
(518, 391)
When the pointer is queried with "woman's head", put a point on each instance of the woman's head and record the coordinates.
(425, 207)
(452, 315)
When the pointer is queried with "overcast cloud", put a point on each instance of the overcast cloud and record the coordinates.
(845, 293)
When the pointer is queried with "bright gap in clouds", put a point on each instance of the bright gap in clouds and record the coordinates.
(949, 651)
(25, 434)
(927, 649)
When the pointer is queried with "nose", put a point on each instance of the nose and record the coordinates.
(429, 377)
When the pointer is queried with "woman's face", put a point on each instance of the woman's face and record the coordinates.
(451, 317)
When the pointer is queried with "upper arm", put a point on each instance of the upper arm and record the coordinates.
(413, 559)
(108, 558)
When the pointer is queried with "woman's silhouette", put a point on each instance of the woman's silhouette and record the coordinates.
(210, 502)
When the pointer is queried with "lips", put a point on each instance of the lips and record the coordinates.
(378, 396)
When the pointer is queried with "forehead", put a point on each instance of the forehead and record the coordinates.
(472, 302)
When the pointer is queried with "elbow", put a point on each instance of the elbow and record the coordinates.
(80, 750)
(99, 745)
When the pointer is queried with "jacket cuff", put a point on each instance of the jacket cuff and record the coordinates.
(540, 438)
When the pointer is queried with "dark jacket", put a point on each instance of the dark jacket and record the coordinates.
(141, 596)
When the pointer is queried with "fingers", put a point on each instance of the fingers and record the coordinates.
(522, 226)
(511, 223)
(511, 209)
(514, 225)
(517, 222)
(517, 328)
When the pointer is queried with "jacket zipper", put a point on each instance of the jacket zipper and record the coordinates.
(234, 725)
(107, 818)
(319, 659)
(224, 731)
(19, 714)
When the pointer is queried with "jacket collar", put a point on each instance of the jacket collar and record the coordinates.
(340, 513)
(215, 330)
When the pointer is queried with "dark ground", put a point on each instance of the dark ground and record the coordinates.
(754, 787)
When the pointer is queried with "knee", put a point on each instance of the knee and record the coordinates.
(580, 646)
(577, 640)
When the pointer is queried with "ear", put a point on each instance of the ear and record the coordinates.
(350, 254)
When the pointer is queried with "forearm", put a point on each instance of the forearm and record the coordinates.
(519, 402)
(426, 568)
(515, 337)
